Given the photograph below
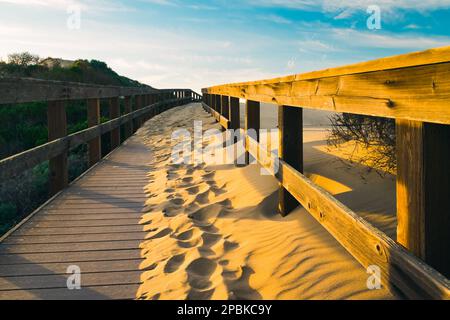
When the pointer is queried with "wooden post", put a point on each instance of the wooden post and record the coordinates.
(57, 128)
(219, 103)
(423, 184)
(128, 109)
(114, 112)
(290, 149)
(235, 116)
(252, 121)
(137, 106)
(95, 145)
(226, 107)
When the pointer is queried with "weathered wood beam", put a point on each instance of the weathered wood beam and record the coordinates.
(423, 184)
(94, 146)
(57, 128)
(114, 113)
(226, 107)
(21, 90)
(128, 109)
(253, 123)
(367, 244)
(235, 115)
(411, 87)
(14, 165)
(290, 149)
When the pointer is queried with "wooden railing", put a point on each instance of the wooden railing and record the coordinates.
(148, 102)
(414, 89)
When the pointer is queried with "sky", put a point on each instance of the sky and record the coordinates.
(196, 44)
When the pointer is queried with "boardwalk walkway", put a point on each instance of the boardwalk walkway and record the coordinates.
(94, 224)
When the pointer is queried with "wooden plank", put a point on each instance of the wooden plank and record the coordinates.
(128, 109)
(416, 90)
(290, 149)
(368, 245)
(94, 146)
(69, 257)
(88, 217)
(30, 269)
(119, 292)
(44, 239)
(93, 199)
(423, 183)
(69, 247)
(60, 281)
(57, 128)
(252, 123)
(92, 223)
(235, 106)
(30, 231)
(20, 90)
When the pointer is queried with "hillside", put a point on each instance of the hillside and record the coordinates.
(92, 71)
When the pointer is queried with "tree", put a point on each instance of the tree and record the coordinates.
(23, 59)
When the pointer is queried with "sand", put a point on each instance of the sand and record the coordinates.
(213, 231)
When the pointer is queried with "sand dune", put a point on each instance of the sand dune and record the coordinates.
(214, 231)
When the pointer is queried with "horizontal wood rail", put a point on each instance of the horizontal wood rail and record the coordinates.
(14, 165)
(412, 86)
(147, 102)
(415, 90)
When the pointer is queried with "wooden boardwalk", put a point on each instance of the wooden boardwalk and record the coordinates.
(93, 224)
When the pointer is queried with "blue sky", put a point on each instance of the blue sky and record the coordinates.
(184, 43)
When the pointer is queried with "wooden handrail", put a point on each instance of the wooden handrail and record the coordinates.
(148, 102)
(414, 89)
(16, 164)
(412, 86)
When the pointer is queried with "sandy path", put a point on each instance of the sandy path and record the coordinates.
(214, 231)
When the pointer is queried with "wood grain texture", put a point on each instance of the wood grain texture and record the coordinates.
(396, 87)
(399, 268)
(14, 165)
(94, 146)
(368, 245)
(20, 90)
(89, 225)
(114, 113)
(423, 183)
(128, 109)
(57, 128)
(290, 149)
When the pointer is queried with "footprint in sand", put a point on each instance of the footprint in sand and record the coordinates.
(161, 234)
(186, 235)
(177, 201)
(210, 239)
(206, 214)
(174, 263)
(193, 190)
(199, 271)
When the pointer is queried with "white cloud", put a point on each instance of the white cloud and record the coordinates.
(349, 7)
